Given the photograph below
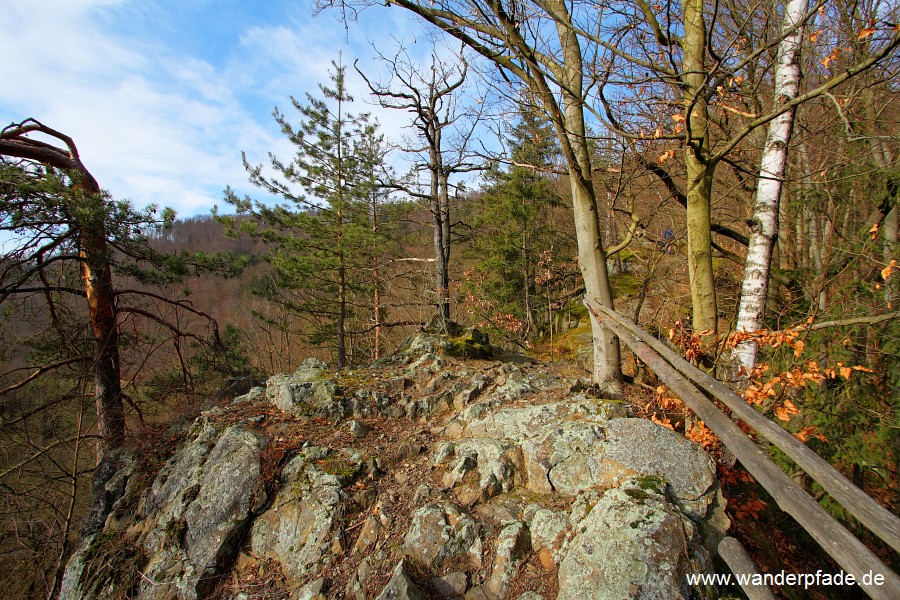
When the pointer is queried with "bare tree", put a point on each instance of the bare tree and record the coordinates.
(432, 101)
(538, 44)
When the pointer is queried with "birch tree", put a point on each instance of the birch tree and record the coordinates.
(764, 222)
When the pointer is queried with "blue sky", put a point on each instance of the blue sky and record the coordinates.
(161, 97)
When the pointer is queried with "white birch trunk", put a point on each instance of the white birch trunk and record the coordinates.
(764, 228)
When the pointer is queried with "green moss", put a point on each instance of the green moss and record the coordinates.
(625, 284)
(175, 531)
(577, 309)
(112, 567)
(466, 347)
(339, 467)
(654, 483)
(637, 494)
(190, 494)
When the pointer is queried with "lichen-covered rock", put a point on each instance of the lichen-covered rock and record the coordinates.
(439, 533)
(548, 531)
(522, 467)
(230, 490)
(401, 586)
(191, 519)
(479, 469)
(302, 522)
(306, 391)
(649, 449)
(513, 545)
(631, 543)
(253, 395)
(202, 505)
(474, 344)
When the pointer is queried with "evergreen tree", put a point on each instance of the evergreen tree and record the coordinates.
(515, 221)
(322, 238)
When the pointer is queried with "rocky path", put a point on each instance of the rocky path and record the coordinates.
(424, 476)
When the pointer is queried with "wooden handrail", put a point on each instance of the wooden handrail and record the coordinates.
(851, 554)
(878, 519)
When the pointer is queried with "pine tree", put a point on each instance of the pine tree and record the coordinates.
(322, 238)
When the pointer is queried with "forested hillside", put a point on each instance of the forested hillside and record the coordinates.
(724, 175)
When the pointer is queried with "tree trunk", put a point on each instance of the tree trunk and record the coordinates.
(592, 261)
(764, 222)
(607, 371)
(98, 287)
(376, 282)
(96, 270)
(890, 252)
(440, 212)
(699, 171)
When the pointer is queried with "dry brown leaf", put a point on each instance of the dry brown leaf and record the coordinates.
(866, 33)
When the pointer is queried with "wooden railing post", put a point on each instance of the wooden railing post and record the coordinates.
(851, 554)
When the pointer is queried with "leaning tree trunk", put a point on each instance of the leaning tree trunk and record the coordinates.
(96, 269)
(764, 222)
(98, 287)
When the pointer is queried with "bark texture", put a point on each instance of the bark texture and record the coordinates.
(699, 170)
(764, 222)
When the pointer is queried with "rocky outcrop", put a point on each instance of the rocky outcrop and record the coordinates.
(424, 477)
(186, 527)
(631, 542)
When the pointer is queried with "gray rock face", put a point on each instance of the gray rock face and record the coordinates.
(300, 527)
(479, 469)
(192, 517)
(401, 586)
(307, 391)
(227, 495)
(440, 533)
(631, 543)
(513, 544)
(649, 449)
(203, 500)
(512, 474)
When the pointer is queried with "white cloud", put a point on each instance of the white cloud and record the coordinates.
(166, 125)
(151, 126)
